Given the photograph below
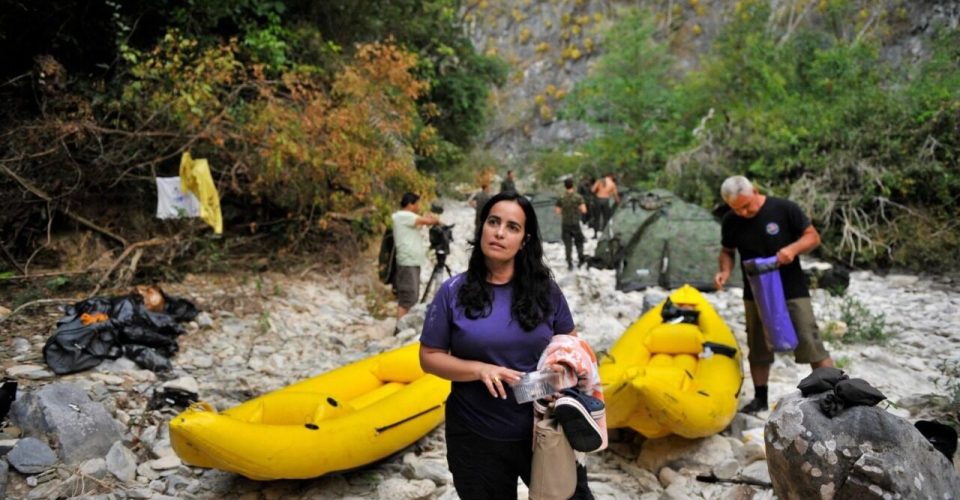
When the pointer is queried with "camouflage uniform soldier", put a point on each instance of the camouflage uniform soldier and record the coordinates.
(570, 206)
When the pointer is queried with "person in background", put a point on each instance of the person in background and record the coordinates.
(508, 183)
(484, 329)
(763, 226)
(584, 189)
(570, 207)
(478, 199)
(607, 195)
(410, 252)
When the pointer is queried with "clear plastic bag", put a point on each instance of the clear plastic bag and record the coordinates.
(538, 384)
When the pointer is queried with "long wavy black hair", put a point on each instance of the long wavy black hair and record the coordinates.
(531, 276)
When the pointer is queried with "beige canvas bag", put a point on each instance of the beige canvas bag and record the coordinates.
(553, 474)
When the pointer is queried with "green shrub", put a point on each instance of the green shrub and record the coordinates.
(843, 362)
(863, 325)
(946, 407)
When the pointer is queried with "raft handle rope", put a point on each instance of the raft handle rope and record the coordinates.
(411, 417)
(723, 350)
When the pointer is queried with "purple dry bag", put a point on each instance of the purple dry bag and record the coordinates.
(764, 277)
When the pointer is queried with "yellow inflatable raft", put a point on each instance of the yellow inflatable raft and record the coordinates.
(673, 378)
(339, 420)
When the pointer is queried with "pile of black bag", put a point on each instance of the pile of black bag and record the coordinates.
(109, 327)
(844, 392)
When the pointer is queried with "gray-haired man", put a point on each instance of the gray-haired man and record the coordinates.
(763, 226)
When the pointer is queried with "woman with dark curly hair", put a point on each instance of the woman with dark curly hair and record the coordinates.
(484, 329)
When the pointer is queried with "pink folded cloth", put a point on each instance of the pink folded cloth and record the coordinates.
(576, 354)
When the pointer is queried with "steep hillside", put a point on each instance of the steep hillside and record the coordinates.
(552, 45)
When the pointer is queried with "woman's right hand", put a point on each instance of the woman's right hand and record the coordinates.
(441, 363)
(495, 377)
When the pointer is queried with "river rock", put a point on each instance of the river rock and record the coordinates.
(22, 370)
(676, 451)
(95, 468)
(726, 469)
(437, 472)
(186, 384)
(31, 456)
(80, 428)
(166, 462)
(4, 471)
(20, 345)
(401, 489)
(6, 445)
(121, 462)
(863, 452)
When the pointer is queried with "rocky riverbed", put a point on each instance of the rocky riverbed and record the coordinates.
(260, 332)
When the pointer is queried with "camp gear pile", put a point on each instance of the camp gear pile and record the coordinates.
(846, 392)
(138, 326)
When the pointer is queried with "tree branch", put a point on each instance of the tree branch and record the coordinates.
(66, 211)
(126, 252)
(36, 303)
(9, 258)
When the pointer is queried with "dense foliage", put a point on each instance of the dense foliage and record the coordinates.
(315, 116)
(813, 112)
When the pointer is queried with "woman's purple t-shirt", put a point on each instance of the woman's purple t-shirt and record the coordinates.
(497, 339)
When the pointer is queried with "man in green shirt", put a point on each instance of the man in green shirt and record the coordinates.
(570, 207)
(508, 184)
(479, 199)
(410, 252)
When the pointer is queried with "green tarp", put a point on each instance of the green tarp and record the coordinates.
(657, 239)
(543, 204)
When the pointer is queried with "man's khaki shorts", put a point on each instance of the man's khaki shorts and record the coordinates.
(810, 347)
(408, 285)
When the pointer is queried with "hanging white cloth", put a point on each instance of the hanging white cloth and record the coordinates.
(172, 202)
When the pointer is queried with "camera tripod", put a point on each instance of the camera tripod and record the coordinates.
(437, 274)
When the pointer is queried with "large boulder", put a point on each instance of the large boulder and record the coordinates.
(863, 452)
(81, 428)
(4, 468)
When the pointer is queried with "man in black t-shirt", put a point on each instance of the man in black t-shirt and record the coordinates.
(763, 226)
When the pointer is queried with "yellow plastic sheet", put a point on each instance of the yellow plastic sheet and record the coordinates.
(195, 178)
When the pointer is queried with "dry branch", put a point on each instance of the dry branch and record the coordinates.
(123, 256)
(66, 211)
(37, 302)
(25, 276)
(9, 258)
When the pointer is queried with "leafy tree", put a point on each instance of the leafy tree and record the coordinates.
(299, 130)
(812, 111)
(632, 99)
(459, 78)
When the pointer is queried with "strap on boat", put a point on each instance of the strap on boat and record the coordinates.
(411, 417)
(721, 349)
(202, 406)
